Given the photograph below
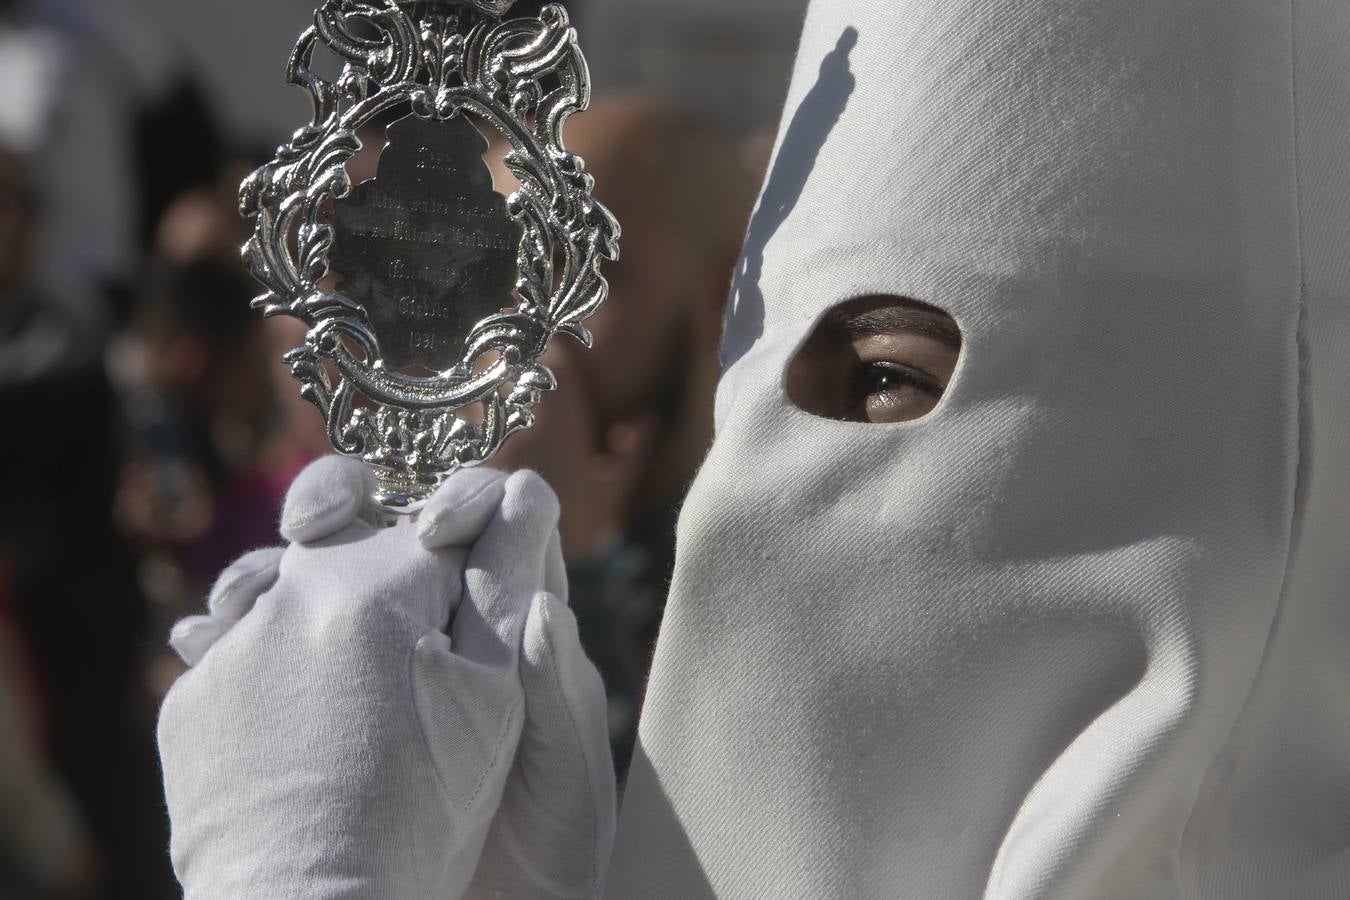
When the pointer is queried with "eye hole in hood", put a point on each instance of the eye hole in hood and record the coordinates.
(877, 360)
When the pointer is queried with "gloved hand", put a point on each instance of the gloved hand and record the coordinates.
(333, 741)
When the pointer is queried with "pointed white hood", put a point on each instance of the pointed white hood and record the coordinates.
(1084, 630)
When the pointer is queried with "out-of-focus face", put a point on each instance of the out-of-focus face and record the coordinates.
(16, 224)
(680, 193)
(643, 330)
(631, 419)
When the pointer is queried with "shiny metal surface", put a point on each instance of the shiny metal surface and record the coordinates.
(427, 247)
(429, 297)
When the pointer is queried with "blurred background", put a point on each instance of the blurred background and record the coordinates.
(148, 430)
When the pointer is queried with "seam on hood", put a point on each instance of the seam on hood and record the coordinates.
(1302, 463)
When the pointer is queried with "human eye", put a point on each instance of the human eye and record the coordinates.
(890, 391)
(877, 360)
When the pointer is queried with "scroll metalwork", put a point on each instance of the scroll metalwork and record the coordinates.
(441, 61)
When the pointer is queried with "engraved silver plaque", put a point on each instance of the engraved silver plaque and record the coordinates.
(427, 246)
(428, 296)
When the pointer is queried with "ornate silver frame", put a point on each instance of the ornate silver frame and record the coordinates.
(524, 77)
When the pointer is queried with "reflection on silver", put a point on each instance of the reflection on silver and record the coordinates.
(418, 354)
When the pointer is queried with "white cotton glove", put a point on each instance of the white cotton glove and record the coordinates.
(332, 740)
(553, 833)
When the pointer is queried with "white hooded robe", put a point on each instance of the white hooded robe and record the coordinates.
(1084, 630)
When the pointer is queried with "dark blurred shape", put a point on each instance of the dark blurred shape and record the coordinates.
(71, 602)
(203, 223)
(624, 434)
(178, 148)
(100, 100)
(196, 488)
(218, 425)
(45, 849)
(532, 7)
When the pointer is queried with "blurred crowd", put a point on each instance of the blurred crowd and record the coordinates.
(141, 441)
(148, 430)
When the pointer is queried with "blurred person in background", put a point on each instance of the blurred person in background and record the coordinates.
(203, 223)
(71, 600)
(199, 489)
(625, 432)
(203, 226)
(101, 99)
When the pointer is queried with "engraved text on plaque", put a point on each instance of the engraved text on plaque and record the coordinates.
(426, 246)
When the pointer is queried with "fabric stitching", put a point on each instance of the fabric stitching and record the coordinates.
(576, 735)
(427, 747)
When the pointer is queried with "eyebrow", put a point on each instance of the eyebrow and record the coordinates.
(900, 316)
